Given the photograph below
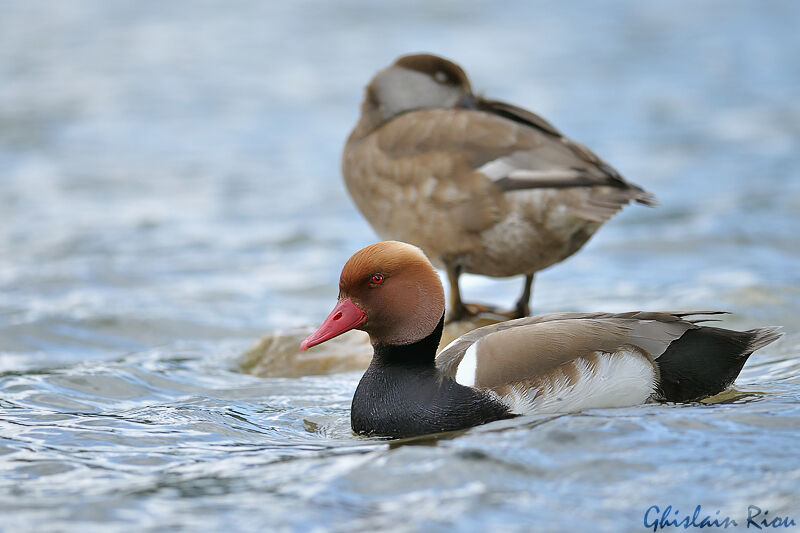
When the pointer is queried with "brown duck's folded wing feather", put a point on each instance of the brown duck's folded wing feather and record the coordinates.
(501, 148)
(477, 137)
(521, 349)
(577, 150)
(433, 155)
(582, 167)
(517, 114)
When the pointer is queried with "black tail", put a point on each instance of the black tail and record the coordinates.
(705, 361)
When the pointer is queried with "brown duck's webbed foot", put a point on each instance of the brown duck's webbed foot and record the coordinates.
(469, 312)
(472, 311)
(515, 313)
(478, 309)
(521, 309)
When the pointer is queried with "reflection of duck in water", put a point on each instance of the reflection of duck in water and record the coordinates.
(480, 185)
(551, 363)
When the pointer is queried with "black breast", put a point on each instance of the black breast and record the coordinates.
(402, 394)
(403, 402)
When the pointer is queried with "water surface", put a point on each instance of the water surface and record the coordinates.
(170, 192)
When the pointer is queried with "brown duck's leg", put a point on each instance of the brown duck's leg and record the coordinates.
(523, 308)
(457, 309)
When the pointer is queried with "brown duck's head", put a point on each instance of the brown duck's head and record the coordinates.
(388, 289)
(418, 81)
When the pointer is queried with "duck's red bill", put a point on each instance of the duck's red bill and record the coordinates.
(344, 317)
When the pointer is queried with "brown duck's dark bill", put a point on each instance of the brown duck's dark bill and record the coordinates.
(344, 317)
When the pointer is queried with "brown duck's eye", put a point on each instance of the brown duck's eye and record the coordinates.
(376, 279)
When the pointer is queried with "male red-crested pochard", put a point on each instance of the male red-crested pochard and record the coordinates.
(480, 185)
(561, 362)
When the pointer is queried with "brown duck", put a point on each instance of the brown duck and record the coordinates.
(480, 185)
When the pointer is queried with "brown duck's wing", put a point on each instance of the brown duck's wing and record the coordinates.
(522, 349)
(517, 114)
(466, 162)
(580, 166)
(474, 137)
(512, 153)
(430, 157)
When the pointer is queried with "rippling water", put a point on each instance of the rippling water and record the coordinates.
(170, 192)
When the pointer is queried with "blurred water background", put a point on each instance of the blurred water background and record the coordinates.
(170, 192)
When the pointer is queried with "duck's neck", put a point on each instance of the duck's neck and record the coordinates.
(420, 354)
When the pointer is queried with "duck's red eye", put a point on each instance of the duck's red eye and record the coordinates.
(376, 279)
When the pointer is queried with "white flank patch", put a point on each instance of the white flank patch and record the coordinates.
(622, 379)
(497, 168)
(465, 375)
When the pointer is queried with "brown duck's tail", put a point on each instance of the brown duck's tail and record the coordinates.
(706, 360)
(646, 198)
